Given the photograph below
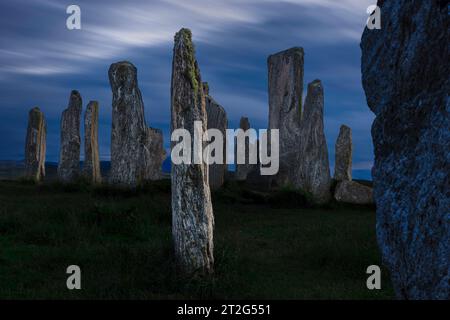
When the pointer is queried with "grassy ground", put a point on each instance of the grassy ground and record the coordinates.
(276, 247)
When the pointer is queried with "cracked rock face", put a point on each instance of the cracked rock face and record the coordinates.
(344, 151)
(405, 73)
(285, 102)
(217, 119)
(314, 171)
(69, 160)
(132, 157)
(91, 165)
(35, 145)
(353, 192)
(192, 213)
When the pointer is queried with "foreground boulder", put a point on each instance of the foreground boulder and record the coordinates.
(285, 101)
(35, 145)
(314, 169)
(91, 165)
(132, 156)
(217, 119)
(353, 192)
(69, 159)
(405, 73)
(344, 151)
(192, 213)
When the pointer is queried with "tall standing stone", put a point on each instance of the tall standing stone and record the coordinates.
(69, 160)
(132, 156)
(35, 145)
(405, 73)
(242, 170)
(343, 155)
(192, 213)
(314, 172)
(285, 103)
(91, 165)
(217, 119)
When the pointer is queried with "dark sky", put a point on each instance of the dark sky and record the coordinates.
(41, 61)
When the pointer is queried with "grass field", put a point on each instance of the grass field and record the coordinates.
(269, 247)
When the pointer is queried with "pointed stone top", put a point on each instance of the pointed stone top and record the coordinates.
(93, 103)
(244, 123)
(35, 109)
(345, 128)
(184, 57)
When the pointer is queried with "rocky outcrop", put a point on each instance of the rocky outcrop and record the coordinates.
(91, 165)
(314, 171)
(405, 73)
(285, 103)
(35, 145)
(132, 156)
(343, 155)
(69, 159)
(217, 119)
(242, 170)
(353, 192)
(192, 213)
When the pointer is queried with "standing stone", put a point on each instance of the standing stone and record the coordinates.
(217, 119)
(405, 72)
(35, 145)
(69, 160)
(91, 165)
(344, 151)
(285, 104)
(132, 156)
(242, 170)
(155, 143)
(192, 212)
(314, 172)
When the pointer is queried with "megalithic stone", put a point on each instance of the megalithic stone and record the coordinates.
(343, 155)
(192, 212)
(91, 165)
(35, 145)
(131, 139)
(217, 119)
(314, 172)
(285, 103)
(69, 160)
(242, 170)
(157, 153)
(405, 73)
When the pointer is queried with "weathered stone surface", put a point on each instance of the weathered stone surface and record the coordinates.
(217, 119)
(285, 103)
(91, 165)
(69, 159)
(314, 171)
(343, 156)
(133, 157)
(156, 152)
(406, 79)
(35, 145)
(192, 213)
(242, 170)
(353, 192)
